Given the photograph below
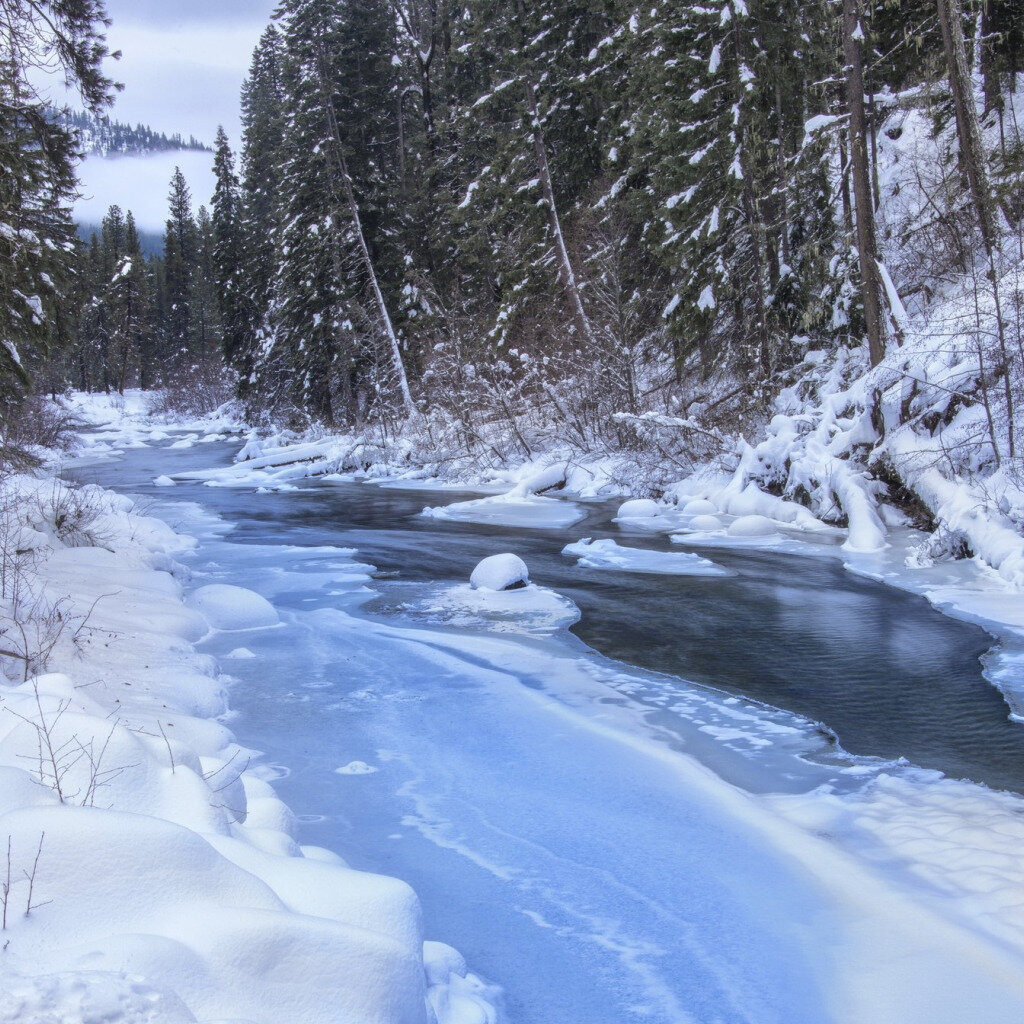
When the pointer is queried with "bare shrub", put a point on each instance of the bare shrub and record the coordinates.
(72, 513)
(58, 755)
(194, 392)
(9, 880)
(40, 425)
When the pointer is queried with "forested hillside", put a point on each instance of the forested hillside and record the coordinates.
(497, 230)
(100, 135)
(596, 208)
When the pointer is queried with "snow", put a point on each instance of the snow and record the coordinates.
(500, 572)
(355, 768)
(228, 607)
(705, 523)
(525, 611)
(638, 508)
(154, 874)
(752, 526)
(913, 879)
(532, 512)
(699, 507)
(606, 554)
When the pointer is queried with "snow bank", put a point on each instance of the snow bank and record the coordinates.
(500, 572)
(133, 420)
(606, 554)
(963, 507)
(154, 874)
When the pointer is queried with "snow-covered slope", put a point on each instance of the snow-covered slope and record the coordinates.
(150, 873)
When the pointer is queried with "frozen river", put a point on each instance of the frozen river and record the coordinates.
(531, 789)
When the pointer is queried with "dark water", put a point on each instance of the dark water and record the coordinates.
(890, 675)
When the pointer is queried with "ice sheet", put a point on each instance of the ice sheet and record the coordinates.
(606, 554)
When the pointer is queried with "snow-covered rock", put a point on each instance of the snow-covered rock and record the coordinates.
(638, 508)
(699, 507)
(752, 526)
(705, 524)
(500, 572)
(227, 607)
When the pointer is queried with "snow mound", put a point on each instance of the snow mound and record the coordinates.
(638, 508)
(355, 768)
(163, 481)
(500, 572)
(531, 511)
(699, 507)
(88, 997)
(705, 523)
(240, 654)
(227, 607)
(455, 995)
(606, 554)
(752, 526)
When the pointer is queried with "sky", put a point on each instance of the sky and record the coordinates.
(184, 61)
(182, 65)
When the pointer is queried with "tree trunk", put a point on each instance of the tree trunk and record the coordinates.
(357, 224)
(784, 182)
(972, 159)
(867, 248)
(752, 214)
(972, 154)
(565, 268)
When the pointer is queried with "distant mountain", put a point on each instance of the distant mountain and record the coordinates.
(101, 136)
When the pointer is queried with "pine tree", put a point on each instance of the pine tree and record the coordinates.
(37, 176)
(260, 204)
(204, 304)
(180, 252)
(531, 143)
(128, 300)
(227, 251)
(332, 313)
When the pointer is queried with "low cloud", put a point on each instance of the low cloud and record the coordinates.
(140, 184)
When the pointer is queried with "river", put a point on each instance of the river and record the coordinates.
(516, 781)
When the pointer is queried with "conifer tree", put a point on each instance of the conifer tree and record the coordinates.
(129, 301)
(204, 302)
(227, 249)
(180, 252)
(332, 317)
(259, 207)
(37, 175)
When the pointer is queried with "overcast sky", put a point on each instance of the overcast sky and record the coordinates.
(182, 67)
(184, 61)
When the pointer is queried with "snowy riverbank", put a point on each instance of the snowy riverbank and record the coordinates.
(151, 873)
(711, 508)
(915, 878)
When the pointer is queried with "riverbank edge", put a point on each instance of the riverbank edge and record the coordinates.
(150, 865)
(891, 806)
(969, 590)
